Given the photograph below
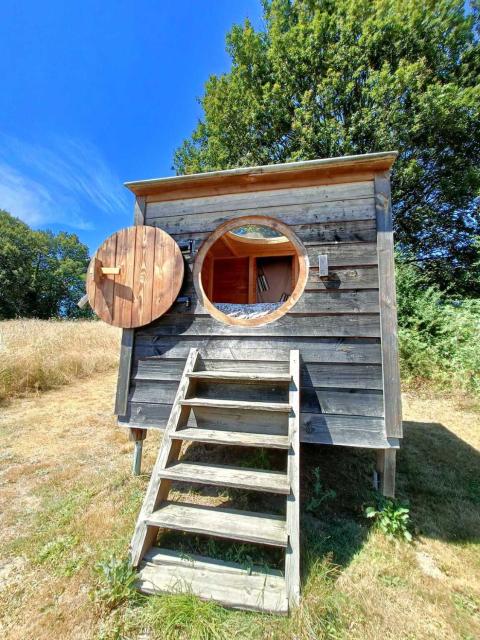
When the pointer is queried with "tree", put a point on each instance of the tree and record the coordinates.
(42, 275)
(334, 77)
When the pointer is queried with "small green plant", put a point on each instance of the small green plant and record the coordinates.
(319, 494)
(258, 458)
(116, 582)
(392, 519)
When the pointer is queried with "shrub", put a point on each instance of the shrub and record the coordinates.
(438, 334)
(391, 519)
(116, 583)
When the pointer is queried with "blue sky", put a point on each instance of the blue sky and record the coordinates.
(94, 93)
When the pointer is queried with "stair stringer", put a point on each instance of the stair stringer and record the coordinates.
(292, 557)
(144, 536)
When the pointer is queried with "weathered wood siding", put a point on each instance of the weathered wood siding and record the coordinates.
(336, 324)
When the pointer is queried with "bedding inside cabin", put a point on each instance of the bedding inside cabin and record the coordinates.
(245, 311)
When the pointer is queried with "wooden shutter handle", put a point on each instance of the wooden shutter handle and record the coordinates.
(110, 271)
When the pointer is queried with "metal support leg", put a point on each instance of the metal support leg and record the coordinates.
(137, 436)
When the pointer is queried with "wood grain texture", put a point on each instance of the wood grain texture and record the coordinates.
(360, 402)
(292, 556)
(258, 348)
(128, 335)
(312, 303)
(244, 405)
(143, 537)
(321, 198)
(388, 307)
(259, 528)
(149, 279)
(124, 371)
(350, 376)
(359, 325)
(232, 438)
(386, 468)
(220, 475)
(228, 583)
(315, 428)
(317, 232)
(100, 288)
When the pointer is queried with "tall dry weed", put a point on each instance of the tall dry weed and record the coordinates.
(36, 355)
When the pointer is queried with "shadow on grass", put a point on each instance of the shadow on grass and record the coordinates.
(437, 475)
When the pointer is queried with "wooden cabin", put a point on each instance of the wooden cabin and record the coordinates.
(278, 328)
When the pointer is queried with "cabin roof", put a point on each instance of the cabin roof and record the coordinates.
(264, 177)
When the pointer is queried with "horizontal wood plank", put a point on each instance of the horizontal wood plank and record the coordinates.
(275, 198)
(360, 325)
(343, 278)
(310, 303)
(260, 349)
(243, 376)
(316, 428)
(355, 431)
(355, 376)
(234, 438)
(228, 583)
(219, 475)
(334, 212)
(244, 405)
(338, 278)
(246, 526)
(368, 402)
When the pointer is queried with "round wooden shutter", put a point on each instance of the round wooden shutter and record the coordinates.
(135, 276)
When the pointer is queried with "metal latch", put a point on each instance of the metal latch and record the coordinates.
(186, 246)
(186, 300)
(322, 265)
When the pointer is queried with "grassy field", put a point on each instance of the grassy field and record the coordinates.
(36, 355)
(68, 504)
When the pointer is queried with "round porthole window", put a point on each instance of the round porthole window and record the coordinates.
(250, 271)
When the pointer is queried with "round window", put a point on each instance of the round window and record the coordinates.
(250, 271)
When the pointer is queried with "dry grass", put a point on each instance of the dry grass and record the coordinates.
(37, 355)
(68, 501)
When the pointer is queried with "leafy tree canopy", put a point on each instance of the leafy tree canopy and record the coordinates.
(334, 77)
(42, 275)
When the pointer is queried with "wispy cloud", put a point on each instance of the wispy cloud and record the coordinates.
(65, 182)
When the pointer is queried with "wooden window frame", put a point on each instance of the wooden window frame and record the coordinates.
(266, 221)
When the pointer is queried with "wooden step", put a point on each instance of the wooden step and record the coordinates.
(228, 583)
(241, 438)
(238, 477)
(247, 526)
(242, 376)
(236, 404)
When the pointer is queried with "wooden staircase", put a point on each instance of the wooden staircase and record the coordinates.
(230, 422)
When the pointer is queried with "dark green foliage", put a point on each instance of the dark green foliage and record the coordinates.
(392, 519)
(334, 77)
(42, 275)
(319, 493)
(116, 582)
(438, 334)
